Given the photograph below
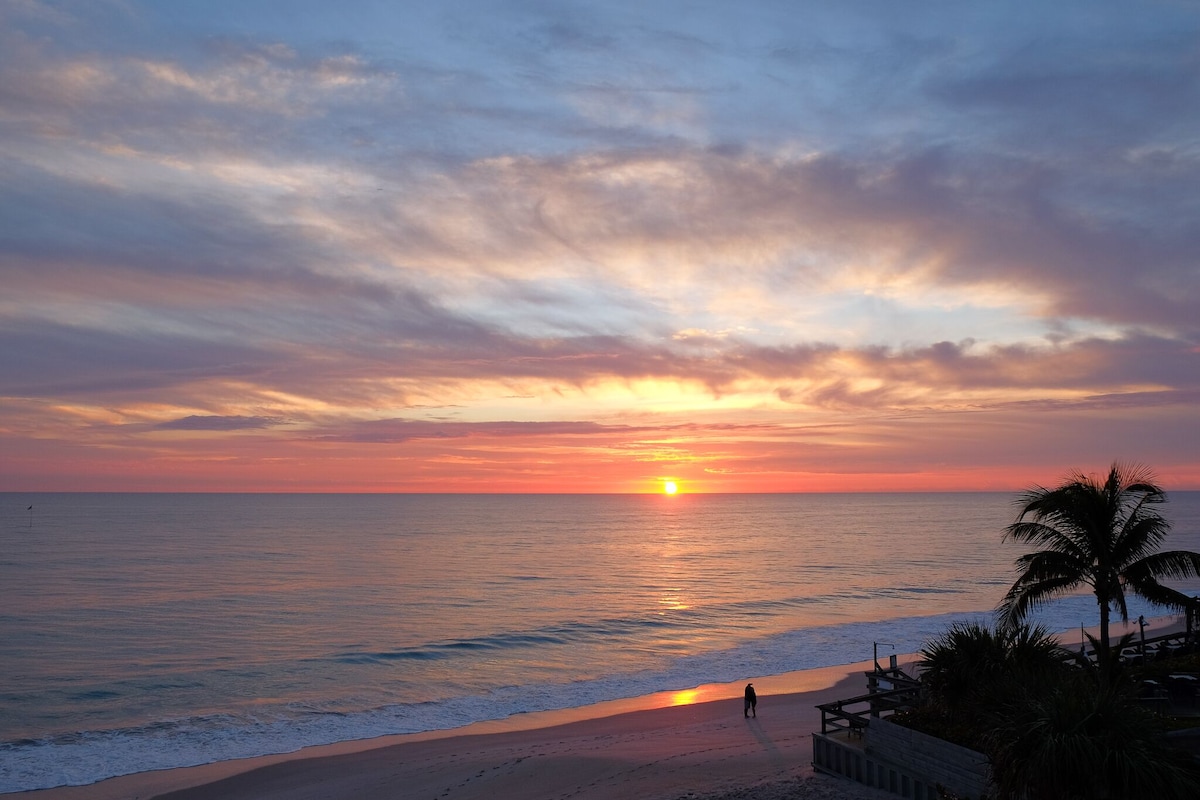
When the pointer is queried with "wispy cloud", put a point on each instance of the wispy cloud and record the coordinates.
(216, 423)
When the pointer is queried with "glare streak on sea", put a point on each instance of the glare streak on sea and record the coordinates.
(148, 631)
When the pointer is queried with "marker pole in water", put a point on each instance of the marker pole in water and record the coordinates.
(31, 516)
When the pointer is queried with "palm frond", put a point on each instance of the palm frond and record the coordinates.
(1165, 596)
(1168, 565)
(1023, 597)
(1143, 532)
(1050, 563)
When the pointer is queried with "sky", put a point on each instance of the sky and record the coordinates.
(535, 246)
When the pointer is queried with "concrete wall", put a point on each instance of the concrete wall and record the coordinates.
(904, 762)
(964, 772)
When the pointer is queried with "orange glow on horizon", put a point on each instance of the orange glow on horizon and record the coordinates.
(498, 461)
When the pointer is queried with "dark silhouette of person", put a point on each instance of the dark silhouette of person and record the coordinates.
(751, 708)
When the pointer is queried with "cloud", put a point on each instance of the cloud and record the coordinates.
(701, 219)
(393, 431)
(952, 374)
(1064, 93)
(217, 423)
(56, 360)
(92, 96)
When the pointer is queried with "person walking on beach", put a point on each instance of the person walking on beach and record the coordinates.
(751, 707)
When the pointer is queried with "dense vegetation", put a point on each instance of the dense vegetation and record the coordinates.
(1054, 725)
(1050, 726)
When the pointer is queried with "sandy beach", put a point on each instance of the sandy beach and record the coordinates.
(693, 744)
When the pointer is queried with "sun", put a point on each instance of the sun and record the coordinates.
(670, 488)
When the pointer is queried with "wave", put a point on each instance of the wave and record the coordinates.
(630, 628)
(537, 638)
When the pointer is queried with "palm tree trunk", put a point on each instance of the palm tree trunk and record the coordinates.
(1105, 653)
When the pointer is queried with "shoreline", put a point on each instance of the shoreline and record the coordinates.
(648, 736)
(711, 706)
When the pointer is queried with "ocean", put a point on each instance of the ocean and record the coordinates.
(149, 631)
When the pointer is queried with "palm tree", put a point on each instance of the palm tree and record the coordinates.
(971, 665)
(969, 673)
(1104, 536)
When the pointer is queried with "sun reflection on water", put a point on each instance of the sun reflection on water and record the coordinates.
(671, 601)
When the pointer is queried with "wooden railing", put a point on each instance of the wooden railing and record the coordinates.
(838, 716)
(854, 714)
(1153, 647)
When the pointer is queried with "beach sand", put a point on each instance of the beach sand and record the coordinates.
(694, 744)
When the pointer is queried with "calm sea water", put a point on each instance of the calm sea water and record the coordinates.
(149, 631)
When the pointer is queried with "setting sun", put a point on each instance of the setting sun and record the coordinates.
(670, 488)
